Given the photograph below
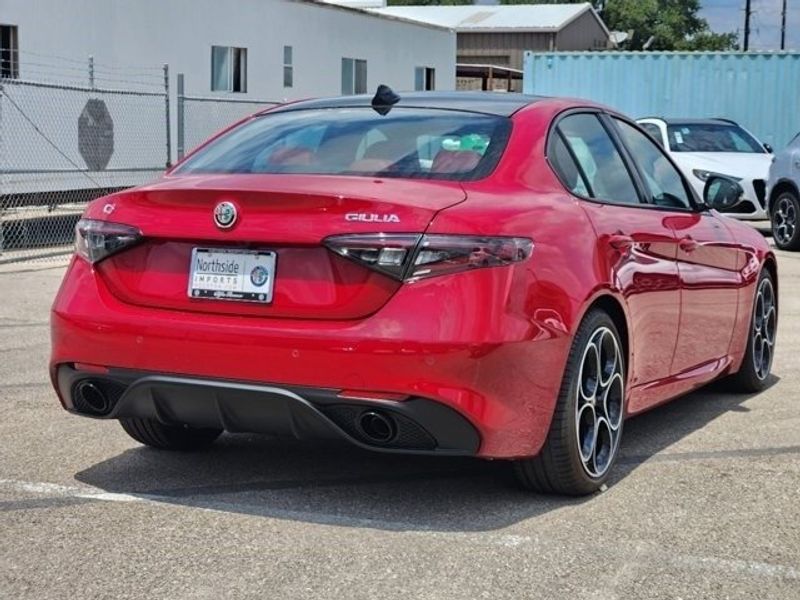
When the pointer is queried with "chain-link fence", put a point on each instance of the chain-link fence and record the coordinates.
(62, 145)
(71, 137)
(201, 117)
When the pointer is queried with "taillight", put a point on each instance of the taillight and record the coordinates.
(406, 257)
(95, 240)
(388, 253)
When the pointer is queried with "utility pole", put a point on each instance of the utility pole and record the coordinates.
(747, 12)
(783, 26)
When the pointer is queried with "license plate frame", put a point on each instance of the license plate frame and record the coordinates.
(232, 274)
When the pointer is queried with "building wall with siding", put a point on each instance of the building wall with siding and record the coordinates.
(182, 32)
(501, 48)
(584, 33)
(508, 48)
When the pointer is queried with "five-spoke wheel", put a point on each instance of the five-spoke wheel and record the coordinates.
(587, 423)
(765, 316)
(598, 406)
(753, 374)
(785, 224)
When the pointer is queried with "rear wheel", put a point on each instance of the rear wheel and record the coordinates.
(168, 437)
(757, 364)
(587, 424)
(785, 225)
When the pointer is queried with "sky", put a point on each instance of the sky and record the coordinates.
(765, 23)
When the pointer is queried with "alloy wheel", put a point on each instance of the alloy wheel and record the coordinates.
(784, 220)
(599, 402)
(764, 328)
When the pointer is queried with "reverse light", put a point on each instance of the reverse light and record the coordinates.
(96, 240)
(409, 257)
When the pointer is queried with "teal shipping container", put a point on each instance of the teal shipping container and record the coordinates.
(759, 90)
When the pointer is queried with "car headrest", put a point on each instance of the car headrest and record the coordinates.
(451, 161)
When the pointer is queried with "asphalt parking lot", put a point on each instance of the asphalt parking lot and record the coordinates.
(704, 503)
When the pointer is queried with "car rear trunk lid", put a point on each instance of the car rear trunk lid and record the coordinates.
(289, 215)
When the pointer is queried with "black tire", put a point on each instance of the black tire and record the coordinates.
(559, 467)
(168, 437)
(753, 374)
(785, 221)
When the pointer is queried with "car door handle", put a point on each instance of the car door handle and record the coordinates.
(620, 241)
(688, 244)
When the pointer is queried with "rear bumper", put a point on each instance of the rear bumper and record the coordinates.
(466, 342)
(415, 425)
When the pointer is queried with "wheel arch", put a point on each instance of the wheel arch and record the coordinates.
(782, 185)
(614, 308)
(771, 265)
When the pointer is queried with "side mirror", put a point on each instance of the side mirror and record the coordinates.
(768, 148)
(722, 193)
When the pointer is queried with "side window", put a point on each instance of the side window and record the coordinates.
(664, 182)
(654, 131)
(607, 176)
(740, 143)
(565, 167)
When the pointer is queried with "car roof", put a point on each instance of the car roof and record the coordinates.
(678, 121)
(493, 103)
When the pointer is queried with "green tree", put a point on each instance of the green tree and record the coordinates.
(672, 24)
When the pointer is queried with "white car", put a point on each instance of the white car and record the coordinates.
(705, 147)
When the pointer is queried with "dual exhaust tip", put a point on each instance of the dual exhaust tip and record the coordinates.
(375, 426)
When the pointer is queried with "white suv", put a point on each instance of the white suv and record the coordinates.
(705, 147)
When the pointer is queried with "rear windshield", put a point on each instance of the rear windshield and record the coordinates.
(413, 143)
(711, 137)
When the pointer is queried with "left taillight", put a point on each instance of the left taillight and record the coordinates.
(408, 257)
(95, 240)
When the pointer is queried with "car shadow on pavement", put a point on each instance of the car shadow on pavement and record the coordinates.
(338, 484)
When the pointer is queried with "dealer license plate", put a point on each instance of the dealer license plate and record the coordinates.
(228, 274)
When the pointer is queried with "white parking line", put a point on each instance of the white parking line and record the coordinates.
(643, 554)
(51, 489)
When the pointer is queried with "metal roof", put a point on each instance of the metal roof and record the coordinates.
(492, 103)
(352, 8)
(487, 18)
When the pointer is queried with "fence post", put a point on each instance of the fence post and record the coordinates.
(167, 119)
(181, 114)
(2, 168)
(91, 71)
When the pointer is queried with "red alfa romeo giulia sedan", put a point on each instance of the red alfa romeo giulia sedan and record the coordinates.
(498, 276)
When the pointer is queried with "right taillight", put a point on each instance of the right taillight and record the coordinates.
(407, 256)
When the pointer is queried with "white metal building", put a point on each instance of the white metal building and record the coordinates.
(267, 49)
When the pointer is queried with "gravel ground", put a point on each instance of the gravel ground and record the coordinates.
(703, 503)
